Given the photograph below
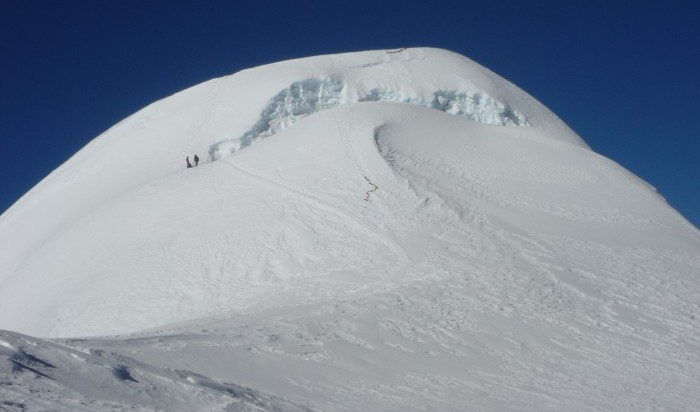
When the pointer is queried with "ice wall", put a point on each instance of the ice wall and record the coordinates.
(310, 96)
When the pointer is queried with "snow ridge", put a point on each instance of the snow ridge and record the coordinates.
(310, 96)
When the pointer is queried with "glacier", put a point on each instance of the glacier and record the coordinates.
(311, 96)
(382, 230)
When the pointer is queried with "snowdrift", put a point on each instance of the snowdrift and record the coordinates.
(40, 375)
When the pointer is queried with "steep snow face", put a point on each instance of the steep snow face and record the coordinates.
(220, 116)
(425, 77)
(311, 96)
(262, 229)
(124, 211)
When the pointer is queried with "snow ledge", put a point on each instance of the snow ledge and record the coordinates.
(306, 97)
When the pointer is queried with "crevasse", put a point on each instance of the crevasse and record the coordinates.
(310, 96)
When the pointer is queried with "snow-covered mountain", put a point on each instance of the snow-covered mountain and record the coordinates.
(391, 230)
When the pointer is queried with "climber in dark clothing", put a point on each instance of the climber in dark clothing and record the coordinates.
(196, 160)
(188, 162)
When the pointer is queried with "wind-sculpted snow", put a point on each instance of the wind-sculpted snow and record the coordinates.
(38, 375)
(311, 96)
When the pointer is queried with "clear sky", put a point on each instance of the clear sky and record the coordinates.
(625, 75)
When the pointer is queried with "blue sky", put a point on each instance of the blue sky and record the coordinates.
(623, 74)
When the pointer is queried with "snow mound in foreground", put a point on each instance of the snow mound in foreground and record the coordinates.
(39, 375)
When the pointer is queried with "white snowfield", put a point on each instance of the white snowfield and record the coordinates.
(388, 230)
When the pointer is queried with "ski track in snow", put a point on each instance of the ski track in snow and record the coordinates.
(401, 255)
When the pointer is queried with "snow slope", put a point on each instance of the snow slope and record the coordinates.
(392, 230)
(80, 202)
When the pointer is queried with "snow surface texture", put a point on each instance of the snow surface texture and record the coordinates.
(390, 242)
(43, 376)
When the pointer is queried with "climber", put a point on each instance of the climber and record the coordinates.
(188, 162)
(196, 160)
